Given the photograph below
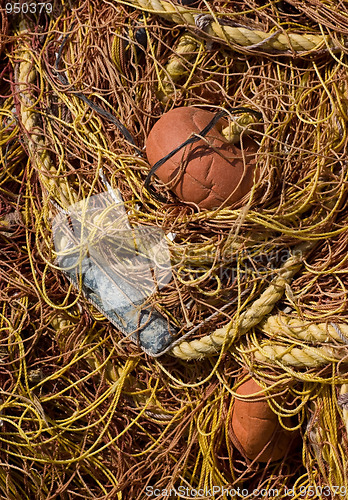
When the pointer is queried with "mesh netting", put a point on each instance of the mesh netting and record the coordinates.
(85, 412)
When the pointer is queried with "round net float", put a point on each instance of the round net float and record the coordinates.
(209, 172)
(255, 429)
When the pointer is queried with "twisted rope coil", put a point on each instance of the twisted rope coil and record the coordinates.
(55, 187)
(298, 357)
(237, 37)
(314, 333)
(211, 344)
(176, 68)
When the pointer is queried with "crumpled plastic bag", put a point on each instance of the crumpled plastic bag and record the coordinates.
(116, 266)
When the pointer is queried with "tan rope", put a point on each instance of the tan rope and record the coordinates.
(282, 325)
(299, 357)
(176, 67)
(211, 344)
(236, 37)
(57, 188)
(237, 125)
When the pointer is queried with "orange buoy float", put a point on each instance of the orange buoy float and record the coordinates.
(208, 172)
(255, 429)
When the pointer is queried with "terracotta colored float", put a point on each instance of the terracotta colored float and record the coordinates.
(207, 172)
(255, 429)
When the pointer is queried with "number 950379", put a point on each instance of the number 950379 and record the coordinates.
(28, 8)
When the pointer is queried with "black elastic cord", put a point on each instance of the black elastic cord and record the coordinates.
(197, 137)
(91, 104)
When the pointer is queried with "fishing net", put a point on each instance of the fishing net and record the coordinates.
(262, 288)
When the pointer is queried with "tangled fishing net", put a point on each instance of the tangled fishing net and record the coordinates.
(259, 289)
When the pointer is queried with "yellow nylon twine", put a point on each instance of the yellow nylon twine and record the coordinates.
(260, 288)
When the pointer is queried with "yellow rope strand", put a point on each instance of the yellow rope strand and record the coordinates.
(211, 344)
(56, 188)
(298, 357)
(281, 325)
(236, 37)
(177, 67)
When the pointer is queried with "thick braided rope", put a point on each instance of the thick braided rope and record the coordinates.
(240, 123)
(280, 324)
(176, 68)
(57, 188)
(235, 37)
(213, 343)
(300, 357)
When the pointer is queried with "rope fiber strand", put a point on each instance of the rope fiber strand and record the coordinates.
(257, 291)
(236, 37)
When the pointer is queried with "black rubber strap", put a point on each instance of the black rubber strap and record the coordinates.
(91, 104)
